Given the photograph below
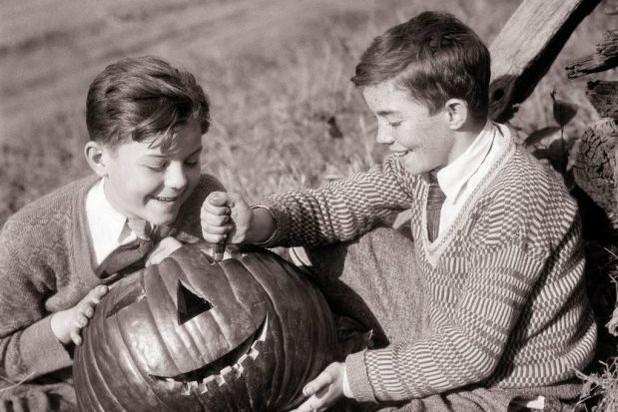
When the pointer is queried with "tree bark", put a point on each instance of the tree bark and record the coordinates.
(527, 46)
(595, 166)
(603, 96)
(605, 58)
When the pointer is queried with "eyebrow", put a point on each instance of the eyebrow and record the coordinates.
(162, 156)
(387, 112)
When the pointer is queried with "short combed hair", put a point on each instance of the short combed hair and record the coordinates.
(434, 56)
(143, 98)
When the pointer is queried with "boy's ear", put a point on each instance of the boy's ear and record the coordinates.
(456, 112)
(95, 158)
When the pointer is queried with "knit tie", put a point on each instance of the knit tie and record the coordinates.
(131, 256)
(435, 199)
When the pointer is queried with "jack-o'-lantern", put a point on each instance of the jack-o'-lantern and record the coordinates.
(192, 334)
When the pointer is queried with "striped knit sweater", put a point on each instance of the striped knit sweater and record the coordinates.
(505, 283)
(46, 266)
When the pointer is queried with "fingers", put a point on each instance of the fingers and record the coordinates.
(217, 198)
(316, 391)
(208, 219)
(215, 217)
(323, 380)
(95, 295)
(312, 404)
(84, 311)
(75, 337)
(325, 390)
(85, 308)
(83, 315)
(81, 320)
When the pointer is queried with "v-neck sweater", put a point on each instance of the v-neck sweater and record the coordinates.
(47, 264)
(505, 284)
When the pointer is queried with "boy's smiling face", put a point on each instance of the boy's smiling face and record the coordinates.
(141, 180)
(423, 141)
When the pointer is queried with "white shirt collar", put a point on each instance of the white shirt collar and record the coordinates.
(453, 177)
(108, 228)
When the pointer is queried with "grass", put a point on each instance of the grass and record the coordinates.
(278, 106)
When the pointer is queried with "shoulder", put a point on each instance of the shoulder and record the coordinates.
(50, 214)
(57, 203)
(530, 198)
(528, 181)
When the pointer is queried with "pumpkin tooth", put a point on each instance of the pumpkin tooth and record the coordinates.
(226, 372)
(253, 353)
(186, 391)
(220, 380)
(258, 345)
(210, 384)
(262, 336)
(239, 369)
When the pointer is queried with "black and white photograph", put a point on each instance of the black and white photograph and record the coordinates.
(308, 205)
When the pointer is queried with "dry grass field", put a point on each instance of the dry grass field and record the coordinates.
(277, 72)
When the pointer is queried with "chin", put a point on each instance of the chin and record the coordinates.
(414, 168)
(164, 220)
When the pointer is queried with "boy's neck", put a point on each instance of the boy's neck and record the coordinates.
(464, 137)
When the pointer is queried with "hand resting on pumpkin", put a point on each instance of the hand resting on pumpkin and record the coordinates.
(226, 217)
(67, 324)
(325, 390)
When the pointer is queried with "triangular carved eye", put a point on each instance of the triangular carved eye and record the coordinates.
(189, 304)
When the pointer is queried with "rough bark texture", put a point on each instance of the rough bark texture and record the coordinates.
(527, 46)
(605, 58)
(595, 166)
(604, 97)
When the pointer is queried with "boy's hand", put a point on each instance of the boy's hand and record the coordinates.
(67, 324)
(163, 249)
(225, 217)
(325, 390)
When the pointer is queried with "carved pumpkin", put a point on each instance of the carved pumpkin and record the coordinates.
(191, 334)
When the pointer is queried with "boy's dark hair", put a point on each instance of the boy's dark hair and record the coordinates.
(434, 56)
(139, 98)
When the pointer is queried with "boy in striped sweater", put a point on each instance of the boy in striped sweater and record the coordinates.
(497, 241)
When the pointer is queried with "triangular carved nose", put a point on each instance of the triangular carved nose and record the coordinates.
(189, 304)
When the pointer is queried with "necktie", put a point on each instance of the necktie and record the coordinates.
(131, 256)
(435, 199)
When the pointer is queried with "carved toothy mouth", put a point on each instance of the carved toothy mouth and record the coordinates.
(220, 370)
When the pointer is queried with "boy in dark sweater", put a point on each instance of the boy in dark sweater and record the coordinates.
(497, 241)
(145, 120)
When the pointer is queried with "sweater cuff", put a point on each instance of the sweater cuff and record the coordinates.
(41, 352)
(279, 221)
(357, 377)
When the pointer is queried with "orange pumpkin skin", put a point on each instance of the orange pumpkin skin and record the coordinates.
(190, 334)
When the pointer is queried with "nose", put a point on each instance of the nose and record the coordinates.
(176, 176)
(384, 135)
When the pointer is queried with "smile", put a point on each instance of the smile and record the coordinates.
(219, 372)
(165, 198)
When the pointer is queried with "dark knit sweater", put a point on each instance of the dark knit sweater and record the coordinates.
(505, 283)
(46, 265)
